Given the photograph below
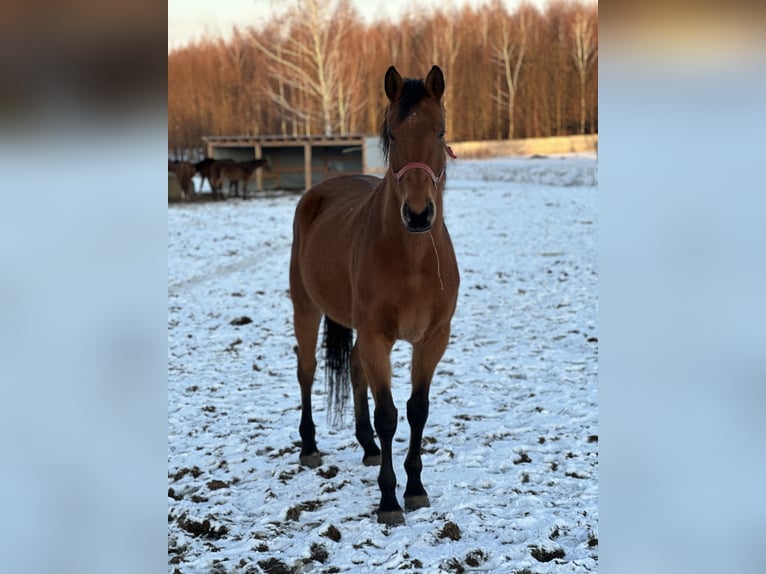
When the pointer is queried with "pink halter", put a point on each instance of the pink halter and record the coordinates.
(418, 165)
(425, 167)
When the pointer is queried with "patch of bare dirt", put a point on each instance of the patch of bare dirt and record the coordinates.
(274, 566)
(201, 528)
(545, 555)
(450, 530)
(332, 533)
(194, 471)
(331, 472)
(294, 513)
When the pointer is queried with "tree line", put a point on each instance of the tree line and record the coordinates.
(319, 69)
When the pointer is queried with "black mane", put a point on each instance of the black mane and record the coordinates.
(413, 91)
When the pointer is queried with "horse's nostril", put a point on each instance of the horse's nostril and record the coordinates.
(406, 212)
(418, 222)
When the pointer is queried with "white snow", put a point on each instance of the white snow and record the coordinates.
(510, 447)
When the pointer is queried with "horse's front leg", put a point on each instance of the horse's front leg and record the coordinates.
(425, 356)
(375, 359)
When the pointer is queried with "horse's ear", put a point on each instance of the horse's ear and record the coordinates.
(435, 83)
(394, 84)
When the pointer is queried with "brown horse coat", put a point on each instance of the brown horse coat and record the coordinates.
(375, 256)
(215, 179)
(241, 171)
(185, 172)
(204, 168)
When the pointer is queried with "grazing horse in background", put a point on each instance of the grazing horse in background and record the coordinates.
(184, 172)
(203, 168)
(215, 179)
(242, 171)
(374, 256)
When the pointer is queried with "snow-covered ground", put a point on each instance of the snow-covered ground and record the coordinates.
(511, 444)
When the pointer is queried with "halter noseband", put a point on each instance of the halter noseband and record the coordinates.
(418, 165)
(425, 167)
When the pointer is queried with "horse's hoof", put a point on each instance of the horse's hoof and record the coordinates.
(415, 502)
(312, 460)
(391, 517)
(372, 460)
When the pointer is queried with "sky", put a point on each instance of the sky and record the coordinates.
(192, 19)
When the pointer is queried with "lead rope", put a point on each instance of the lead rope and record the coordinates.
(436, 179)
(438, 265)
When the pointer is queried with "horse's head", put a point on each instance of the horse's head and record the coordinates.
(412, 135)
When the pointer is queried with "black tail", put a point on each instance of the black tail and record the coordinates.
(338, 341)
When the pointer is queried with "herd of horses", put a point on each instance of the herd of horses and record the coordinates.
(216, 172)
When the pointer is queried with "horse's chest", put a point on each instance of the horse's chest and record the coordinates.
(412, 327)
(418, 309)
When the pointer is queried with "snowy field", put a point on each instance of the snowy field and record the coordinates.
(511, 445)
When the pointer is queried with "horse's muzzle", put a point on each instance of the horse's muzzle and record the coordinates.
(418, 222)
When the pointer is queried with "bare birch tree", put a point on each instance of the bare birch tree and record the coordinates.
(583, 53)
(319, 64)
(445, 47)
(348, 89)
(509, 55)
(309, 61)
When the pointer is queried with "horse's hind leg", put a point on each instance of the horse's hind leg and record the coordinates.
(306, 322)
(425, 357)
(362, 412)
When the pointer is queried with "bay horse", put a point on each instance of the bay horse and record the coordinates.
(185, 172)
(203, 167)
(241, 171)
(374, 256)
(215, 179)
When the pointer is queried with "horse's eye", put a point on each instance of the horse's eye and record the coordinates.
(441, 134)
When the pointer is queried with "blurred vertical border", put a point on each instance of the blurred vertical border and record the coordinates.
(83, 286)
(682, 360)
(83, 346)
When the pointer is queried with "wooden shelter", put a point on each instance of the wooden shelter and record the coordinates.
(298, 162)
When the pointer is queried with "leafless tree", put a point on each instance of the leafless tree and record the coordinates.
(309, 62)
(445, 47)
(583, 53)
(508, 53)
(318, 68)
